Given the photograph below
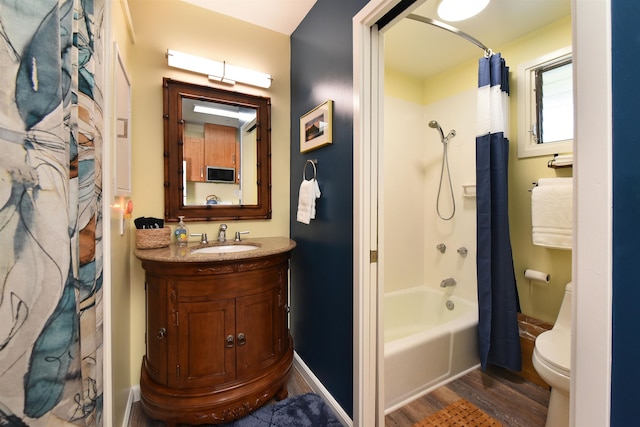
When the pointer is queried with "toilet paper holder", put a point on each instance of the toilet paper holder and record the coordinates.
(538, 276)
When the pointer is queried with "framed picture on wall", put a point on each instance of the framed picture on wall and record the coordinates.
(316, 127)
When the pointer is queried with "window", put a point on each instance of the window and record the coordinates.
(545, 105)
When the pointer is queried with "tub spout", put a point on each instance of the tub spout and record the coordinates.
(448, 282)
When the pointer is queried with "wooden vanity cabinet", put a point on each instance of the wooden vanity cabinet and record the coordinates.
(217, 340)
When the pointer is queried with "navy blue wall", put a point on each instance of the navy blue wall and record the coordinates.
(322, 263)
(625, 376)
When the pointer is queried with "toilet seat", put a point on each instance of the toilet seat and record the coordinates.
(554, 349)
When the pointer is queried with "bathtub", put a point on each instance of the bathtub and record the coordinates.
(426, 344)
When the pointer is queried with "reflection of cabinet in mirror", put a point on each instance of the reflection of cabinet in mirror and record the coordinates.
(219, 148)
(194, 158)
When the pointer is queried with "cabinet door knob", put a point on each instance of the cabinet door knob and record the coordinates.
(229, 341)
(161, 333)
(241, 339)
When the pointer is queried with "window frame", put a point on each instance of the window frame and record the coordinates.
(527, 111)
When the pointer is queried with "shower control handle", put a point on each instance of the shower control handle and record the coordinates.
(441, 247)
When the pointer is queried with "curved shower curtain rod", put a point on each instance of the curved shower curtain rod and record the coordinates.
(487, 52)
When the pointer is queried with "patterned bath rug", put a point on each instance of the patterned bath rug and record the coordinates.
(305, 410)
(459, 414)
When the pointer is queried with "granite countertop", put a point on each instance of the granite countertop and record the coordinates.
(174, 253)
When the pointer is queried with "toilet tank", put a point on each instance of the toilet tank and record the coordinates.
(564, 315)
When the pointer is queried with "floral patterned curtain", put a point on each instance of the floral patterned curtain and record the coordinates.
(51, 120)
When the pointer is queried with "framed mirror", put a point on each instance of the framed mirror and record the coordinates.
(217, 149)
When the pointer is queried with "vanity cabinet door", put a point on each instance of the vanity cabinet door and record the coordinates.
(206, 343)
(258, 336)
(156, 334)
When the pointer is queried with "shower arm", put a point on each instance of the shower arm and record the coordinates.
(487, 52)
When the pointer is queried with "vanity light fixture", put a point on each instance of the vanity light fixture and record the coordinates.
(459, 10)
(217, 71)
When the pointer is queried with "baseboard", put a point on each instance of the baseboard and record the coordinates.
(320, 389)
(305, 372)
(134, 396)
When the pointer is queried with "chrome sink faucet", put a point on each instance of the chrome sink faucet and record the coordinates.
(222, 233)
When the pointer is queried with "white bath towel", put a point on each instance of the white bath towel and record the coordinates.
(552, 213)
(309, 192)
(563, 160)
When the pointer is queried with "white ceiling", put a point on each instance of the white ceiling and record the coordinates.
(282, 16)
(414, 47)
(422, 50)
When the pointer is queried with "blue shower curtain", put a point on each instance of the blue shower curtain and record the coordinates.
(498, 305)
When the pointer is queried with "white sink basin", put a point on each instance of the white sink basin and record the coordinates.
(224, 249)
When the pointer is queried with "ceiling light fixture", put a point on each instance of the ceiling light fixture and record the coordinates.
(243, 117)
(459, 10)
(217, 71)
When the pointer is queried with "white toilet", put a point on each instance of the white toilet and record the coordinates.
(552, 361)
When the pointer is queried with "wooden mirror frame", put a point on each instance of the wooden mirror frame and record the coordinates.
(173, 93)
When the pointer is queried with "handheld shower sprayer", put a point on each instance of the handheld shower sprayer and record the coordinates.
(445, 164)
(435, 125)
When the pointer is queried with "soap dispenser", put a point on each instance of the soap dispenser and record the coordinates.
(181, 232)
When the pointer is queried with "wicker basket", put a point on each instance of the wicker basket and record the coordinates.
(153, 238)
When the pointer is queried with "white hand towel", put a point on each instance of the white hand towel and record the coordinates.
(309, 192)
(552, 213)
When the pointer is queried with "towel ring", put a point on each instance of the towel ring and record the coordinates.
(315, 171)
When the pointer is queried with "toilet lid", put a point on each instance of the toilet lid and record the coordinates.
(554, 348)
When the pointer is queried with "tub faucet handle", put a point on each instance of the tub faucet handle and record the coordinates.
(441, 247)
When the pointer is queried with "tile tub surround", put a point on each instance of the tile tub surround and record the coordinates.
(266, 246)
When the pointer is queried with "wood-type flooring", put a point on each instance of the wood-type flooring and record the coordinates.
(506, 397)
(513, 401)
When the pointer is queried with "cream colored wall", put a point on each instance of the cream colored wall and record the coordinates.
(403, 156)
(160, 25)
(538, 301)
(412, 159)
(119, 256)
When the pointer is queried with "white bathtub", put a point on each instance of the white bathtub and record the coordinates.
(426, 344)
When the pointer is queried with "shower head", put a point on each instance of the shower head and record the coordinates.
(435, 125)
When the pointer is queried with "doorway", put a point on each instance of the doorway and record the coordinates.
(593, 235)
